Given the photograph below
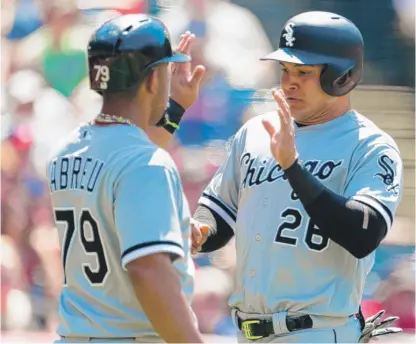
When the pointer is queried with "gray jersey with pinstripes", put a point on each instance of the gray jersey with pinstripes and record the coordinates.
(116, 197)
(283, 261)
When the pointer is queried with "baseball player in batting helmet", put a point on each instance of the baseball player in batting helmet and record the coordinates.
(119, 207)
(309, 190)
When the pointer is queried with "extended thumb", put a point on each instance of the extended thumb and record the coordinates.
(197, 75)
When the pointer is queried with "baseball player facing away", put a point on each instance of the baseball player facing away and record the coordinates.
(309, 191)
(122, 218)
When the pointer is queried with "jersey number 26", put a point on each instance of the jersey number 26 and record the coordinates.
(314, 239)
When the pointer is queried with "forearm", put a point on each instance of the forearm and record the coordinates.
(353, 225)
(159, 292)
(220, 232)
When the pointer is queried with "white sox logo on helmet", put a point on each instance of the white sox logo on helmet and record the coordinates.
(289, 34)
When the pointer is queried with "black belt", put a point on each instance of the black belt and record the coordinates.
(257, 329)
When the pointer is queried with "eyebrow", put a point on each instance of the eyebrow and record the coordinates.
(300, 65)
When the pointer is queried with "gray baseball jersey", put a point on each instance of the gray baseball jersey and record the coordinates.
(284, 263)
(116, 197)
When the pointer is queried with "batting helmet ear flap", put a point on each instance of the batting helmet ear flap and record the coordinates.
(337, 83)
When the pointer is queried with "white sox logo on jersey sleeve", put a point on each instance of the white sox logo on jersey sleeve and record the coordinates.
(388, 175)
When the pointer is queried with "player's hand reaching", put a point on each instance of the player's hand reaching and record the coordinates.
(199, 233)
(185, 83)
(282, 133)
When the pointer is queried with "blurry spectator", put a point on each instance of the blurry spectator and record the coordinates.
(58, 48)
(218, 112)
(210, 302)
(235, 39)
(397, 293)
(27, 19)
(24, 88)
(16, 309)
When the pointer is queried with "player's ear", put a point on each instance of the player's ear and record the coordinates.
(151, 81)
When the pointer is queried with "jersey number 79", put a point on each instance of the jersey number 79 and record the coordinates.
(75, 225)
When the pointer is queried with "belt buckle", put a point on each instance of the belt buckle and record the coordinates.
(245, 327)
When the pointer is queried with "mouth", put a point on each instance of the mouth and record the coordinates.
(292, 100)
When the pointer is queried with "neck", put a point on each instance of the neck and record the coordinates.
(334, 110)
(129, 110)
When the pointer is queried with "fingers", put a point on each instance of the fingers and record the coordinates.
(196, 234)
(183, 42)
(204, 230)
(199, 234)
(283, 111)
(388, 321)
(269, 127)
(384, 331)
(187, 45)
(374, 317)
(197, 76)
(183, 48)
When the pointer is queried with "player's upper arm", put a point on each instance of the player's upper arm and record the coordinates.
(146, 213)
(222, 193)
(376, 179)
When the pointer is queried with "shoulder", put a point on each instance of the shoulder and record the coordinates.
(371, 136)
(62, 146)
(149, 162)
(374, 144)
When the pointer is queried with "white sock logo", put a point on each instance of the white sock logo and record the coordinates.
(289, 34)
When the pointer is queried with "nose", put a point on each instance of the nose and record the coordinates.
(289, 82)
(292, 87)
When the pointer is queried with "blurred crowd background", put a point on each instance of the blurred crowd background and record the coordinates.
(44, 95)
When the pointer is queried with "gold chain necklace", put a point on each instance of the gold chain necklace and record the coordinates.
(109, 119)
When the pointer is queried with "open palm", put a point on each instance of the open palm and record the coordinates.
(185, 83)
(282, 134)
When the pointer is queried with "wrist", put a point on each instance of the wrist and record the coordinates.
(304, 184)
(172, 116)
(290, 164)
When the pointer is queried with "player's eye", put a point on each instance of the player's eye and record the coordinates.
(284, 70)
(304, 72)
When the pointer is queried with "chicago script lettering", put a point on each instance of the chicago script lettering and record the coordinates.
(268, 171)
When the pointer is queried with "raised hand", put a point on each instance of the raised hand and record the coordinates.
(184, 83)
(282, 133)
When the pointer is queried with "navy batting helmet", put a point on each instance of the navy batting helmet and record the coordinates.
(124, 49)
(323, 38)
